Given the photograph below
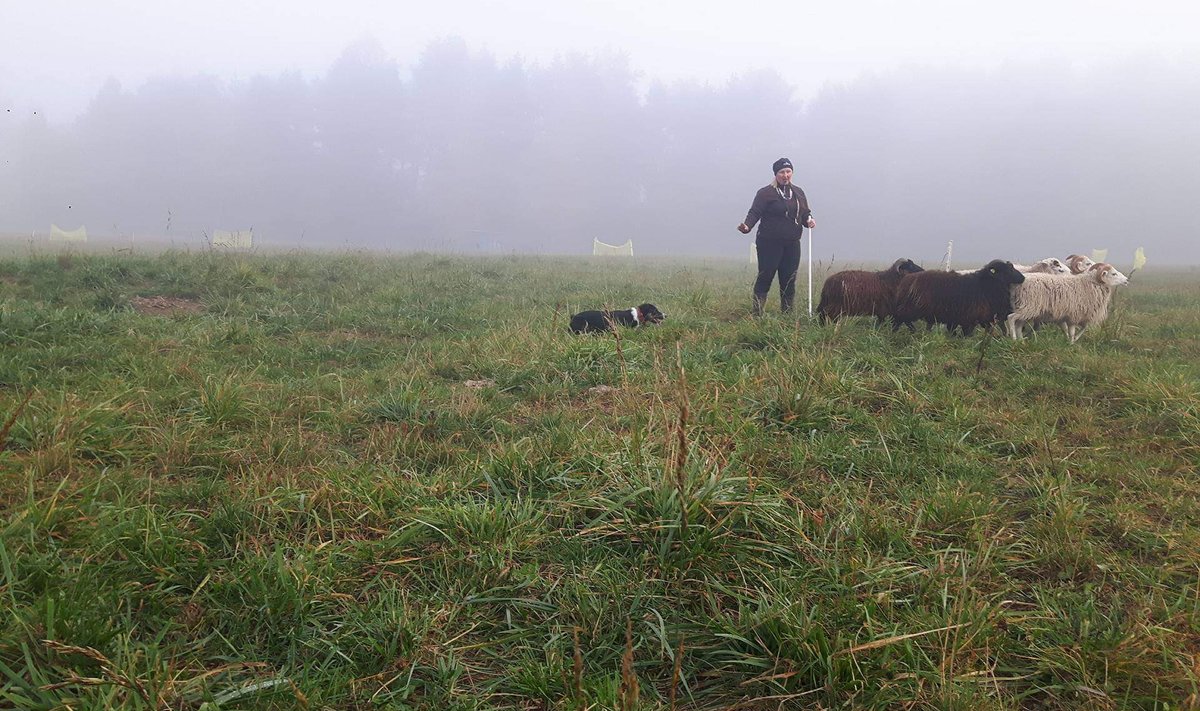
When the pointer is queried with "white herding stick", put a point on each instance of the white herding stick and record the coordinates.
(810, 251)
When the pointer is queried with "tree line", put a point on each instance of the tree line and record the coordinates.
(463, 151)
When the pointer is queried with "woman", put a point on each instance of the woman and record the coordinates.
(781, 212)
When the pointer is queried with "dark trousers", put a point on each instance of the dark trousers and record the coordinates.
(777, 258)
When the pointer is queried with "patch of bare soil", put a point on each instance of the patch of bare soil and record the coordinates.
(165, 305)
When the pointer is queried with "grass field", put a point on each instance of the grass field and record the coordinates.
(360, 482)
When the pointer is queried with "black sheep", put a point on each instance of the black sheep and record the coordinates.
(963, 301)
(855, 292)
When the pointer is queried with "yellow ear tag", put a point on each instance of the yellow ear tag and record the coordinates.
(993, 270)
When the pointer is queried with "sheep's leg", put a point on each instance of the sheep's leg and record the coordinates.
(1014, 327)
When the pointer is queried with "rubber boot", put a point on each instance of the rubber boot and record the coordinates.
(760, 301)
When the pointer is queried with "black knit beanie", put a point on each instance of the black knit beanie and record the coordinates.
(780, 165)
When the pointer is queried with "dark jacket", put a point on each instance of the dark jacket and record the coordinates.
(778, 218)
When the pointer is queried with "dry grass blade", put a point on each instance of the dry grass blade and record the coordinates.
(681, 450)
(225, 668)
(675, 674)
(12, 420)
(629, 682)
(577, 665)
(892, 640)
(111, 676)
(616, 332)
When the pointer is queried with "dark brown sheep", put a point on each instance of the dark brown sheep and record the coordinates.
(964, 301)
(856, 292)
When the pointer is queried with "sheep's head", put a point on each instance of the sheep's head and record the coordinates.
(1003, 272)
(1052, 265)
(1107, 274)
(1078, 264)
(906, 266)
(1046, 267)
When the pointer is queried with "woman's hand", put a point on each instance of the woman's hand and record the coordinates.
(743, 229)
(811, 223)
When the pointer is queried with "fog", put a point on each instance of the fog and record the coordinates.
(469, 143)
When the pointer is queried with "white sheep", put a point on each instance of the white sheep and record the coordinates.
(1078, 264)
(1049, 265)
(1076, 301)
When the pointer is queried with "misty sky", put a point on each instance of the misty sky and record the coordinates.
(55, 54)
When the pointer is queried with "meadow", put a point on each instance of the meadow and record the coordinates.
(358, 481)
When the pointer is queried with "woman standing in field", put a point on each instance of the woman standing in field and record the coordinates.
(781, 212)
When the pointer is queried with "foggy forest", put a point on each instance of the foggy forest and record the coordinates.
(468, 152)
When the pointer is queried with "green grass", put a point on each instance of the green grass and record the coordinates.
(292, 499)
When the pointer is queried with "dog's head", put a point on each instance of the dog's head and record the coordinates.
(649, 313)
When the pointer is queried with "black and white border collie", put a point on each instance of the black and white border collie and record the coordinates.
(602, 321)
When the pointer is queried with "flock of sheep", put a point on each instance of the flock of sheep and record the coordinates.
(1074, 294)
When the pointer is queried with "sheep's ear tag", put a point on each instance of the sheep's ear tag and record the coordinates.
(993, 270)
